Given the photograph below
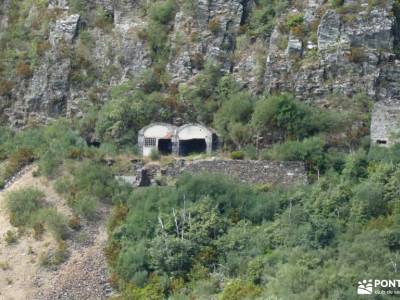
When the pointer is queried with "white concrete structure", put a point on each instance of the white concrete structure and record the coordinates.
(385, 124)
(184, 140)
(194, 138)
(158, 136)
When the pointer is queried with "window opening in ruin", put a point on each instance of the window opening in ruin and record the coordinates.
(381, 142)
(150, 142)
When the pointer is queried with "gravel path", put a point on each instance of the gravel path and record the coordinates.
(83, 276)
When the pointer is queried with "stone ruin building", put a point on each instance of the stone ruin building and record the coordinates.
(385, 124)
(180, 141)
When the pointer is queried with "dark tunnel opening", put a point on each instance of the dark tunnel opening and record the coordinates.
(192, 146)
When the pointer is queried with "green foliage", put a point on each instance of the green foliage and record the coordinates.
(237, 155)
(153, 291)
(88, 184)
(22, 42)
(120, 119)
(17, 160)
(154, 154)
(294, 20)
(168, 242)
(310, 150)
(202, 99)
(23, 204)
(54, 222)
(86, 207)
(27, 208)
(77, 6)
(271, 243)
(163, 12)
(263, 17)
(250, 152)
(239, 290)
(103, 19)
(49, 144)
(356, 166)
(61, 142)
(284, 116)
(53, 258)
(231, 120)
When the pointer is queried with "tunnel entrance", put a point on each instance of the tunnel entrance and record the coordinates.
(192, 146)
(165, 146)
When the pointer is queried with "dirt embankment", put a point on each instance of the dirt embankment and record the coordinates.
(82, 276)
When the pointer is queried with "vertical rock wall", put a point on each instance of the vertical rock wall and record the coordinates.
(345, 50)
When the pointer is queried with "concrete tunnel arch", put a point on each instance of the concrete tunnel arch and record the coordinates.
(159, 136)
(194, 138)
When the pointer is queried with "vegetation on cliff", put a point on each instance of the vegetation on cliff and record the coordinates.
(206, 237)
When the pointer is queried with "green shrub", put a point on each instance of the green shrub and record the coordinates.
(231, 120)
(163, 12)
(262, 18)
(238, 290)
(63, 185)
(86, 207)
(55, 222)
(365, 205)
(17, 161)
(77, 6)
(294, 20)
(284, 116)
(52, 259)
(23, 204)
(250, 152)
(239, 155)
(310, 150)
(90, 182)
(154, 154)
(120, 119)
(150, 82)
(49, 163)
(103, 19)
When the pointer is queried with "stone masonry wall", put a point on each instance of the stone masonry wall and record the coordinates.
(252, 172)
(245, 171)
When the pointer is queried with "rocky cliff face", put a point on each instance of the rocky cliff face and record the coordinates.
(314, 50)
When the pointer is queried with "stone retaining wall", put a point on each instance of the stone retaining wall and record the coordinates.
(252, 172)
(245, 171)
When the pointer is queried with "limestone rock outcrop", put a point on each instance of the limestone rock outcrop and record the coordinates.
(336, 50)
